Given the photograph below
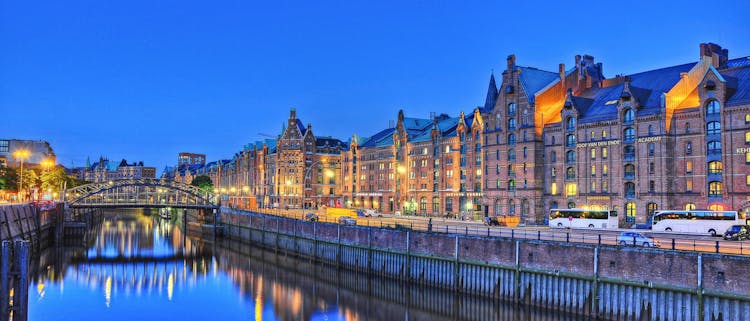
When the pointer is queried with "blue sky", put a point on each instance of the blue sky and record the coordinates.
(144, 80)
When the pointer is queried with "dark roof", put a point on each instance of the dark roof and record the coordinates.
(489, 101)
(382, 138)
(533, 80)
(740, 81)
(331, 142)
(658, 81)
(301, 127)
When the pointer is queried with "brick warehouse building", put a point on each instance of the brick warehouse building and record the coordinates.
(671, 138)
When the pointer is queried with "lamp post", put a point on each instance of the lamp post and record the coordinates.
(21, 154)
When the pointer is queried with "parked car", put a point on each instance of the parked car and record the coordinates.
(312, 217)
(346, 220)
(737, 233)
(372, 213)
(636, 239)
(491, 221)
(361, 213)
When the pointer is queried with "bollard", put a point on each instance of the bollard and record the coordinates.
(717, 246)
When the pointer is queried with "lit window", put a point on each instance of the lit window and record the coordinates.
(688, 148)
(571, 189)
(604, 186)
(593, 186)
(689, 206)
(715, 188)
(593, 153)
(593, 170)
(715, 167)
(604, 152)
(553, 187)
(747, 138)
(747, 157)
(604, 134)
(747, 180)
(747, 118)
(604, 169)
(689, 167)
(651, 149)
(689, 185)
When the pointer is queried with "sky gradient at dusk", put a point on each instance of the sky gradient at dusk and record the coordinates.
(144, 80)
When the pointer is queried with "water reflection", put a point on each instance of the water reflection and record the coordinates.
(144, 268)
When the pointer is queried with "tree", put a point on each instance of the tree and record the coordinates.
(203, 182)
(55, 179)
(8, 179)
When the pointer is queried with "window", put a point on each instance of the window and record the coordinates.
(498, 183)
(689, 206)
(570, 156)
(553, 187)
(689, 167)
(650, 130)
(604, 186)
(689, 185)
(687, 128)
(651, 186)
(570, 173)
(713, 128)
(715, 167)
(604, 170)
(511, 139)
(715, 188)
(747, 158)
(498, 121)
(628, 134)
(629, 171)
(592, 136)
(570, 141)
(604, 152)
(651, 168)
(553, 172)
(553, 157)
(570, 124)
(593, 186)
(651, 149)
(512, 155)
(525, 152)
(747, 118)
(714, 147)
(435, 204)
(747, 138)
(688, 148)
(4, 146)
(571, 189)
(593, 170)
(651, 209)
(629, 151)
(449, 204)
(511, 185)
(713, 108)
(630, 212)
(629, 190)
(593, 153)
(604, 134)
(511, 108)
(512, 124)
(628, 116)
(747, 180)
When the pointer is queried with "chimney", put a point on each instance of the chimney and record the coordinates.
(718, 56)
(293, 113)
(511, 63)
(561, 72)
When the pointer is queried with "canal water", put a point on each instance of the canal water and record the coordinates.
(143, 267)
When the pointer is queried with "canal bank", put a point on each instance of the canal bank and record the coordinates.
(610, 282)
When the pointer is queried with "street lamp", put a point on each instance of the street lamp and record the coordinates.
(21, 154)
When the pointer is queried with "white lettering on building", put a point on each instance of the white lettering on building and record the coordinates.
(598, 144)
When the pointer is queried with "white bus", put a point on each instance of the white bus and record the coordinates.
(582, 218)
(695, 221)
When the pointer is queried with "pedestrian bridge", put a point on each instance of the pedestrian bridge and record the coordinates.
(140, 193)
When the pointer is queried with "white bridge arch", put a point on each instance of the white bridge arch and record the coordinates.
(143, 192)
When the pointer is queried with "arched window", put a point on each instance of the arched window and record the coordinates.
(747, 118)
(524, 207)
(715, 167)
(629, 171)
(571, 205)
(570, 173)
(651, 149)
(628, 151)
(713, 128)
(553, 157)
(689, 206)
(570, 140)
(628, 134)
(511, 207)
(525, 117)
(713, 108)
(687, 128)
(511, 155)
(497, 207)
(435, 204)
(511, 139)
(512, 124)
(714, 147)
(570, 156)
(629, 190)
(511, 108)
(449, 204)
(628, 116)
(715, 188)
(630, 212)
(570, 124)
(571, 189)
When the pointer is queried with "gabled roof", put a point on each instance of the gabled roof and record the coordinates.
(533, 80)
(445, 125)
(382, 138)
(658, 81)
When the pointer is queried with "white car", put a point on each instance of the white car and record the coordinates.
(636, 239)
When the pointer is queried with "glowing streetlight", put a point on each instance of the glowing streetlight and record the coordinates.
(47, 163)
(21, 154)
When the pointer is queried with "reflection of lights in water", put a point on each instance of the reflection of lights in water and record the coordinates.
(214, 266)
(259, 300)
(40, 290)
(170, 286)
(108, 291)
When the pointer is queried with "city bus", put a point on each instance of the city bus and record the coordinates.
(695, 221)
(582, 218)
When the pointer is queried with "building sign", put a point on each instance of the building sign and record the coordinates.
(597, 198)
(368, 194)
(598, 144)
(743, 150)
(649, 139)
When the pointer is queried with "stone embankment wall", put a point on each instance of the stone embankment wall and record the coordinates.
(609, 282)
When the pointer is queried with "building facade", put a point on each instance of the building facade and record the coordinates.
(39, 152)
(670, 138)
(105, 170)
